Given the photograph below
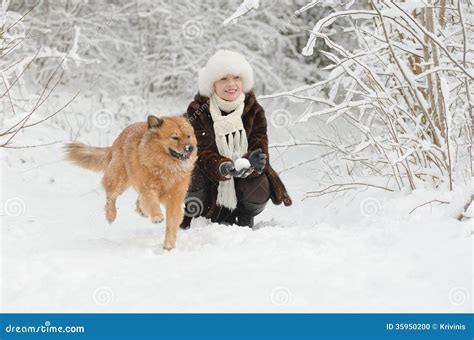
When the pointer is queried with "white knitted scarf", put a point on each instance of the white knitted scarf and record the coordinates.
(231, 141)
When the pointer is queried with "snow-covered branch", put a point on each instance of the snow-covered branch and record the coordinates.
(402, 91)
(245, 7)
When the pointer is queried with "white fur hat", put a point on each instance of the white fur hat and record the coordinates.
(224, 62)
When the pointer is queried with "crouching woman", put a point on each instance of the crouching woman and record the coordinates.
(232, 180)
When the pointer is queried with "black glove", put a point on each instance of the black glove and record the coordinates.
(227, 169)
(243, 173)
(258, 160)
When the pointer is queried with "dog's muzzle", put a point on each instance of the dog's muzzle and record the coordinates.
(186, 154)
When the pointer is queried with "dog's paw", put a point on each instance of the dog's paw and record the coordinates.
(157, 219)
(110, 216)
(169, 242)
(168, 246)
(140, 212)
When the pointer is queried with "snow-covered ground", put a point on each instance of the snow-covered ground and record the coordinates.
(362, 253)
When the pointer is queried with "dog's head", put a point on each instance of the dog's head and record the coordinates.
(176, 137)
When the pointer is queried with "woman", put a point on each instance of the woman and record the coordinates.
(229, 124)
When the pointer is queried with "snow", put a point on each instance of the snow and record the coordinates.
(425, 145)
(363, 253)
(359, 250)
(241, 163)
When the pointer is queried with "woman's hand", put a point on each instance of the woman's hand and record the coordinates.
(227, 169)
(258, 160)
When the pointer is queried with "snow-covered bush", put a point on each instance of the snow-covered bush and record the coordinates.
(22, 106)
(405, 88)
(126, 57)
(398, 96)
(150, 49)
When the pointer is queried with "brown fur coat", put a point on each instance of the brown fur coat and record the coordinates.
(209, 159)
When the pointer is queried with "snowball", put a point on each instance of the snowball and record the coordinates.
(241, 163)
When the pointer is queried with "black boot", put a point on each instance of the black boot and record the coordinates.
(246, 211)
(230, 218)
(245, 221)
(186, 224)
(195, 205)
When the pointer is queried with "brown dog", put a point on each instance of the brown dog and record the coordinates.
(156, 158)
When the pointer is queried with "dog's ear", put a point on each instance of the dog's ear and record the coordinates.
(154, 122)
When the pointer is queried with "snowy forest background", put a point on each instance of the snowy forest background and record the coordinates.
(370, 107)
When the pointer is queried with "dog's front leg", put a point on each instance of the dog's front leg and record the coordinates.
(148, 204)
(174, 217)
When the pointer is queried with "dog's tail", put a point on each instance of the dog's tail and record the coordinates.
(88, 157)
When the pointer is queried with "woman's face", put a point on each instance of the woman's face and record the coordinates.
(229, 87)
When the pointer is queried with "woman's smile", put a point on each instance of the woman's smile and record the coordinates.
(228, 87)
